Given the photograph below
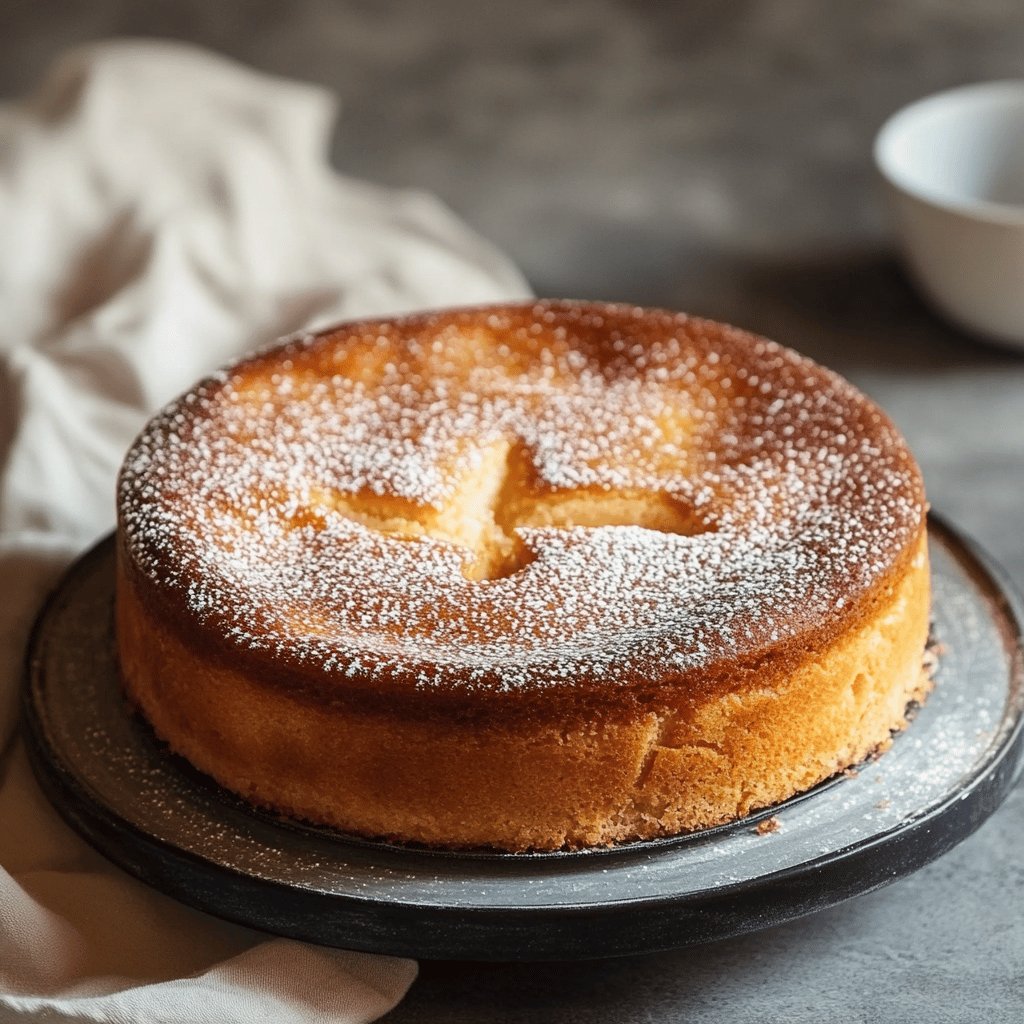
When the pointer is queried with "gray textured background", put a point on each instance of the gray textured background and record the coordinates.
(713, 157)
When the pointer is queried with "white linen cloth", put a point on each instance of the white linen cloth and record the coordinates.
(161, 211)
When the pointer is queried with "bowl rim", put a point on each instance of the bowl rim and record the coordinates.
(982, 210)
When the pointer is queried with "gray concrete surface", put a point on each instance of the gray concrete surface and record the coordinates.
(712, 157)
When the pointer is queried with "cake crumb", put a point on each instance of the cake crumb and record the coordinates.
(886, 744)
(883, 805)
(933, 653)
(768, 826)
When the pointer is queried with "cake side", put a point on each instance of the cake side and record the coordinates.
(688, 761)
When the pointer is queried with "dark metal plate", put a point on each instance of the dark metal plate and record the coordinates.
(148, 811)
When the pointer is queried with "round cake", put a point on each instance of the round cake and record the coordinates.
(522, 577)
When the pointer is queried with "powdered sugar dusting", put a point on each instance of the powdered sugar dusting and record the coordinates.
(802, 492)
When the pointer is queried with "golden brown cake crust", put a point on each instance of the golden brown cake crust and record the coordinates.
(537, 521)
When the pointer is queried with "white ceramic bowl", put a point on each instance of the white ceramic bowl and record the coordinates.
(954, 164)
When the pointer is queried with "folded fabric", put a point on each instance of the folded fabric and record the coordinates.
(164, 210)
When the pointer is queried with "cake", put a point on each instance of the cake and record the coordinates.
(522, 577)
